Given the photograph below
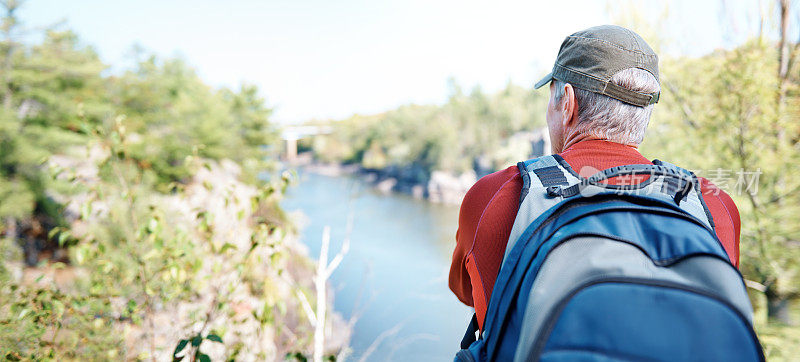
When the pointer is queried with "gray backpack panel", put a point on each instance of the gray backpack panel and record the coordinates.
(584, 259)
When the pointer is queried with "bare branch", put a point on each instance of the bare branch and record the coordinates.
(324, 271)
(337, 259)
(783, 42)
(755, 285)
(793, 56)
(345, 247)
(312, 318)
(688, 114)
(785, 195)
(374, 345)
(321, 281)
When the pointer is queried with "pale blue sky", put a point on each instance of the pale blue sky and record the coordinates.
(330, 59)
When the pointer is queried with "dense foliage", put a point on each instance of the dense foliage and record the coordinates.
(146, 229)
(54, 92)
(57, 94)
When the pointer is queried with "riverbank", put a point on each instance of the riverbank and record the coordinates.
(439, 187)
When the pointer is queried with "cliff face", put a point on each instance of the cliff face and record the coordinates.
(449, 189)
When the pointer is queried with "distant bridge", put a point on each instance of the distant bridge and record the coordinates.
(291, 134)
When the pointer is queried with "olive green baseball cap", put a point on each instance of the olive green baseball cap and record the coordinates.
(589, 58)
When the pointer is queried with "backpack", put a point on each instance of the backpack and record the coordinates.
(599, 272)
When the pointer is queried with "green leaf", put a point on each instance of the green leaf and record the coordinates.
(62, 238)
(80, 254)
(53, 232)
(86, 210)
(152, 225)
(226, 247)
(214, 337)
(297, 356)
(202, 357)
(131, 305)
(58, 308)
(196, 340)
(181, 345)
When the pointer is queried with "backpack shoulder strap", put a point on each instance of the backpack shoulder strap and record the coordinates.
(551, 176)
(548, 171)
(698, 192)
(666, 182)
(538, 174)
(545, 171)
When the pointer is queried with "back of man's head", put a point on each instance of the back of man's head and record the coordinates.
(614, 74)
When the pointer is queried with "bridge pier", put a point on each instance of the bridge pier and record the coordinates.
(291, 149)
(291, 134)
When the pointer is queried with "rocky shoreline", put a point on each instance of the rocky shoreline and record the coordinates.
(440, 187)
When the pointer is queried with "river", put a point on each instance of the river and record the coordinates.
(394, 279)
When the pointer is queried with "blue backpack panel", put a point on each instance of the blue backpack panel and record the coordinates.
(599, 272)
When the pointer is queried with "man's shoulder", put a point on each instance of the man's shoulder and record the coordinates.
(709, 189)
(482, 192)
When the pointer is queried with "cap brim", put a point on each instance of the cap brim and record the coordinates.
(544, 80)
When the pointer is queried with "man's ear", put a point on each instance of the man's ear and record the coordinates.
(569, 107)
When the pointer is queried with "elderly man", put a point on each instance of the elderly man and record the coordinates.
(603, 89)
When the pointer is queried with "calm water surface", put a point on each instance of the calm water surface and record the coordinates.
(394, 279)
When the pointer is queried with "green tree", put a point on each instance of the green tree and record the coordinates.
(450, 137)
(167, 103)
(122, 213)
(42, 88)
(736, 110)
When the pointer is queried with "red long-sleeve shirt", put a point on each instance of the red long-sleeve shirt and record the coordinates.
(490, 206)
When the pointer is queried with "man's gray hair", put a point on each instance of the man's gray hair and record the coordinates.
(607, 118)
